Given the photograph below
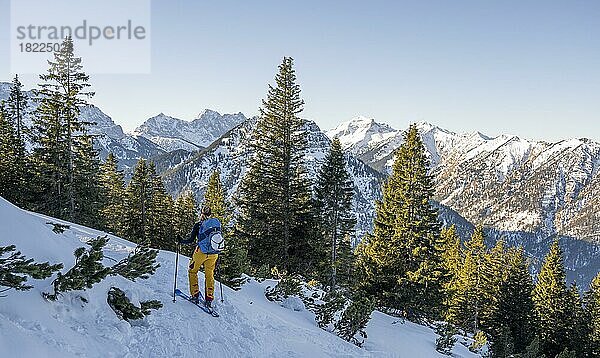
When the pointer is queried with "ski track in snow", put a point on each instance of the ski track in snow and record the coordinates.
(249, 325)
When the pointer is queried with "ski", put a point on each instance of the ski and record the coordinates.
(200, 305)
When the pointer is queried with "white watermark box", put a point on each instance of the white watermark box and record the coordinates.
(111, 36)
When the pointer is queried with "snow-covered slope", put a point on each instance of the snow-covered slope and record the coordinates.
(172, 133)
(361, 134)
(81, 324)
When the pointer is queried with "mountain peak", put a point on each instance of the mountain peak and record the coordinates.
(208, 114)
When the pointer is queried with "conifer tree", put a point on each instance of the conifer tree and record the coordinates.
(9, 178)
(141, 263)
(125, 310)
(148, 209)
(137, 203)
(160, 213)
(592, 310)
(551, 304)
(86, 184)
(578, 324)
(16, 110)
(87, 271)
(354, 320)
(112, 182)
(494, 274)
(233, 260)
(15, 268)
(467, 303)
(185, 215)
(510, 320)
(402, 263)
(13, 158)
(276, 217)
(452, 261)
(333, 206)
(64, 159)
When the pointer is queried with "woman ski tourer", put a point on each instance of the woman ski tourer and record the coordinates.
(207, 234)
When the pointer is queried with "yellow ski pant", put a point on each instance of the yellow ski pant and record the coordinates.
(199, 259)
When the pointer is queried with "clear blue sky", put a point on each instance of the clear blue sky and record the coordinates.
(530, 68)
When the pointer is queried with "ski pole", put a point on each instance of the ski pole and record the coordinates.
(221, 284)
(219, 275)
(176, 266)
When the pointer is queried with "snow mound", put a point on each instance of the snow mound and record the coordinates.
(81, 323)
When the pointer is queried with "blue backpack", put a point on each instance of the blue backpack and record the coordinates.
(210, 237)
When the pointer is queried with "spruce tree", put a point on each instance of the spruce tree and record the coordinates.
(551, 303)
(275, 199)
(86, 182)
(354, 320)
(592, 310)
(141, 263)
(452, 261)
(511, 320)
(9, 178)
(160, 213)
(148, 209)
(112, 182)
(494, 274)
(185, 215)
(13, 157)
(401, 262)
(233, 260)
(467, 304)
(64, 159)
(137, 203)
(16, 110)
(578, 324)
(333, 206)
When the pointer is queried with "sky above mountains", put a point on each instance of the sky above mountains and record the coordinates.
(521, 67)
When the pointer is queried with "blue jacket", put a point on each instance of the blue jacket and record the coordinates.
(201, 234)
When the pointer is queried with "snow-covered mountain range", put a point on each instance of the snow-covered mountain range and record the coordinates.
(506, 182)
(157, 136)
(172, 133)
